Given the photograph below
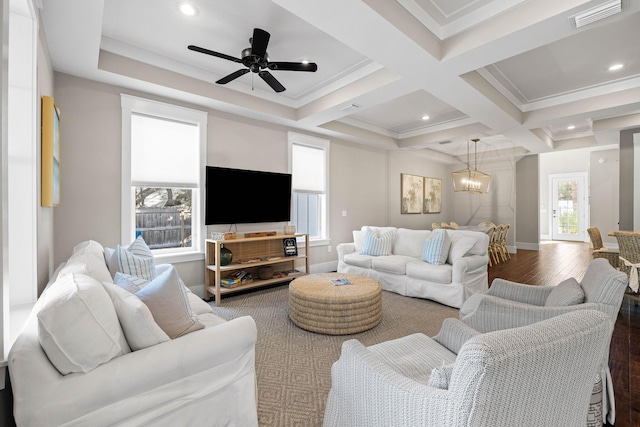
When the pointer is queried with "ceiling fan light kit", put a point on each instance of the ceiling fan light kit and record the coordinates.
(256, 59)
(469, 180)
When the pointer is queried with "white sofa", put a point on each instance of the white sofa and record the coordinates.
(204, 377)
(404, 272)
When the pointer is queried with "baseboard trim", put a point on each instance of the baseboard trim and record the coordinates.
(528, 246)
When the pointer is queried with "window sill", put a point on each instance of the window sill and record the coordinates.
(319, 242)
(175, 258)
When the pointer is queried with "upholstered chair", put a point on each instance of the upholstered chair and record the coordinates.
(536, 375)
(600, 251)
(509, 305)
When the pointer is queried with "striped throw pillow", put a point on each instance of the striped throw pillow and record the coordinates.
(436, 247)
(136, 260)
(377, 244)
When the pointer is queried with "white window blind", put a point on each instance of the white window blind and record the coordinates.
(164, 152)
(308, 169)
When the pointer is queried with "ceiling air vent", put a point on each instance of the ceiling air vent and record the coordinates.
(597, 13)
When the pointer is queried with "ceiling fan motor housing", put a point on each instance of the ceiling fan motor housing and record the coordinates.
(254, 62)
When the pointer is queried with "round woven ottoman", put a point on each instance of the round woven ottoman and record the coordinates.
(317, 305)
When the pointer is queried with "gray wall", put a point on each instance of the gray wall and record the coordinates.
(527, 199)
(90, 173)
(626, 179)
(604, 172)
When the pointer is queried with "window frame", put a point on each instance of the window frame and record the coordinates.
(130, 105)
(324, 145)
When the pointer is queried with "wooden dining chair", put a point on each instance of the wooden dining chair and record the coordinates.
(490, 232)
(629, 243)
(435, 226)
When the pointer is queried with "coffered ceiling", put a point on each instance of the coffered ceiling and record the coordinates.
(421, 75)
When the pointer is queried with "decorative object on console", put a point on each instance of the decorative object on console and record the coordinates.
(265, 272)
(432, 195)
(225, 256)
(411, 193)
(290, 246)
(471, 181)
(289, 229)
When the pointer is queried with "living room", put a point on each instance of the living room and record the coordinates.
(253, 132)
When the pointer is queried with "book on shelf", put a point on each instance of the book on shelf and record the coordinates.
(340, 282)
(230, 282)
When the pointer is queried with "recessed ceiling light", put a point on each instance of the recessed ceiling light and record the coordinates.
(188, 9)
(616, 67)
(425, 117)
(571, 127)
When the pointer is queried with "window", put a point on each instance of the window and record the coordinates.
(163, 154)
(309, 158)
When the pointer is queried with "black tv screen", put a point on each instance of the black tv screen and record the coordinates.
(239, 196)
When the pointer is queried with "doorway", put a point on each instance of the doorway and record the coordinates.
(569, 207)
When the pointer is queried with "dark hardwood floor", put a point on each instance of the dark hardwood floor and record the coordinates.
(558, 260)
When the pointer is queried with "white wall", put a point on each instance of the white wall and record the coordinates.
(559, 162)
(498, 205)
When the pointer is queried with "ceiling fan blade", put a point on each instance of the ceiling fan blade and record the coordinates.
(259, 42)
(292, 66)
(271, 81)
(211, 52)
(233, 76)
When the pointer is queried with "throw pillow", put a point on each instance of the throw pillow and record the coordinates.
(78, 326)
(130, 283)
(568, 292)
(167, 299)
(136, 260)
(376, 243)
(140, 330)
(436, 247)
(460, 248)
(440, 377)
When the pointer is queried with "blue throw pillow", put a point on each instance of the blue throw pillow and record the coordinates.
(436, 247)
(136, 260)
(376, 244)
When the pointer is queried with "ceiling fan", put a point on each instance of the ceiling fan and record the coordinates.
(256, 59)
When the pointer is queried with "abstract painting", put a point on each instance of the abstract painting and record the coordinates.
(411, 193)
(432, 195)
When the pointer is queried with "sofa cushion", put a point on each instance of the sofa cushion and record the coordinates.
(130, 283)
(358, 239)
(167, 299)
(432, 273)
(394, 264)
(78, 326)
(481, 240)
(460, 248)
(358, 260)
(440, 377)
(436, 247)
(87, 258)
(568, 292)
(410, 242)
(378, 243)
(140, 330)
(135, 259)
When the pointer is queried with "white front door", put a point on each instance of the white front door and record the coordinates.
(569, 211)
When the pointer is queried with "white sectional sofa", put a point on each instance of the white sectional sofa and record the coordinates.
(79, 359)
(403, 271)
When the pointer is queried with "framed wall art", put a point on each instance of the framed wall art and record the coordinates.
(411, 193)
(432, 195)
(50, 153)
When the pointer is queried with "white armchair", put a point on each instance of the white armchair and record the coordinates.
(541, 374)
(509, 305)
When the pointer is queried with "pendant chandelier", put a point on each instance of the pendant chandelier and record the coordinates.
(471, 181)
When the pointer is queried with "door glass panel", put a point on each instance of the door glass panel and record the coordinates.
(568, 207)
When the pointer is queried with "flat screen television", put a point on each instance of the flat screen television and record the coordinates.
(240, 196)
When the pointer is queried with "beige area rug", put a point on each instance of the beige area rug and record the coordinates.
(294, 366)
